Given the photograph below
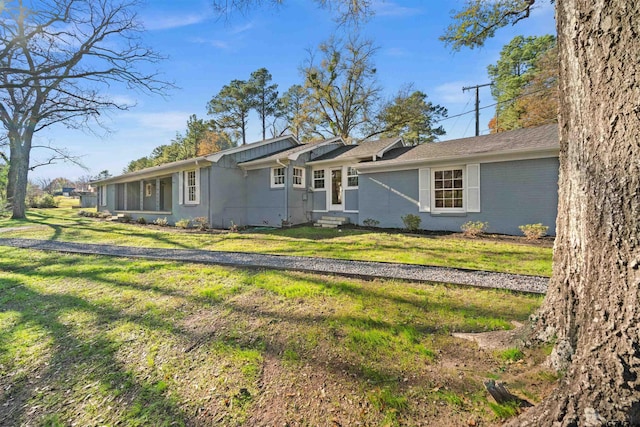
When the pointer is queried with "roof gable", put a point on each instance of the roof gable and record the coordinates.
(364, 151)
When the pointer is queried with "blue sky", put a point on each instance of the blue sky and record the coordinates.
(206, 53)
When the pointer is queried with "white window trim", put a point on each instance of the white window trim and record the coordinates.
(424, 190)
(464, 190)
(302, 177)
(323, 180)
(148, 189)
(103, 195)
(183, 194)
(346, 173)
(463, 209)
(272, 176)
(472, 185)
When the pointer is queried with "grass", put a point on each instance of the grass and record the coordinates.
(355, 244)
(90, 340)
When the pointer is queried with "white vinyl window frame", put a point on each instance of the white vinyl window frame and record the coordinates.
(189, 187)
(297, 177)
(278, 177)
(318, 179)
(448, 189)
(352, 178)
(430, 180)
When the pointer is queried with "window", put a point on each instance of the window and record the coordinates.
(103, 195)
(148, 189)
(277, 177)
(318, 179)
(448, 191)
(455, 189)
(189, 187)
(352, 177)
(298, 177)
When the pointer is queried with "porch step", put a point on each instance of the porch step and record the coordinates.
(331, 221)
(116, 217)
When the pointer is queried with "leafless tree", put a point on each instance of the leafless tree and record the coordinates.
(58, 58)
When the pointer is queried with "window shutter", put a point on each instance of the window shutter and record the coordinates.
(180, 188)
(424, 189)
(473, 187)
(197, 201)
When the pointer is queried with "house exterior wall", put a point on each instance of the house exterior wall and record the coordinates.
(228, 197)
(265, 205)
(512, 194)
(270, 206)
(187, 211)
(318, 200)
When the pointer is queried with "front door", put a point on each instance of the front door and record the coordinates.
(336, 193)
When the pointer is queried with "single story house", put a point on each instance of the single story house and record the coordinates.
(506, 179)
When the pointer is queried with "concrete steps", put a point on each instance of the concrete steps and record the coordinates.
(331, 221)
(117, 217)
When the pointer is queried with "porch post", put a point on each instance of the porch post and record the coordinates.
(125, 195)
(158, 194)
(142, 195)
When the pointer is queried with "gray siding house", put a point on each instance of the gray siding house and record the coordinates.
(335, 182)
(506, 179)
(212, 186)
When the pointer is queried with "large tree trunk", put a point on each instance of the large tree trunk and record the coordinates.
(593, 305)
(18, 174)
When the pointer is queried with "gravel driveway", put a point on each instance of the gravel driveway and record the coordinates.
(361, 269)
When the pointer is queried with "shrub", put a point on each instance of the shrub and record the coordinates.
(141, 220)
(103, 214)
(411, 222)
(126, 218)
(162, 222)
(233, 228)
(474, 228)
(201, 222)
(43, 201)
(534, 231)
(370, 222)
(183, 223)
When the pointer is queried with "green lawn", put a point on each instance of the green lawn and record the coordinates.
(356, 244)
(87, 340)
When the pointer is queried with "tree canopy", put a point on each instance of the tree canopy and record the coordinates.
(512, 76)
(202, 137)
(410, 116)
(58, 59)
(265, 96)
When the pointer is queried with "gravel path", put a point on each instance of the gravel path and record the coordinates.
(362, 269)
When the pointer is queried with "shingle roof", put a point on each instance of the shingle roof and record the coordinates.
(289, 151)
(364, 150)
(521, 140)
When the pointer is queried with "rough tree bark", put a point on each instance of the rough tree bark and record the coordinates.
(592, 305)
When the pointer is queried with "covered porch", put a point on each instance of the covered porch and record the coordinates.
(152, 195)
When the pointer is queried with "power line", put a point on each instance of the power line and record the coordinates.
(477, 109)
(491, 105)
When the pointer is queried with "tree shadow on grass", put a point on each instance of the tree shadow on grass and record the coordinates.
(79, 359)
(75, 362)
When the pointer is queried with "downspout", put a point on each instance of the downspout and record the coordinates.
(286, 190)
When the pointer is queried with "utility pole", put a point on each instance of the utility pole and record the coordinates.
(477, 87)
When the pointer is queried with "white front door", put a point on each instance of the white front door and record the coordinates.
(335, 190)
